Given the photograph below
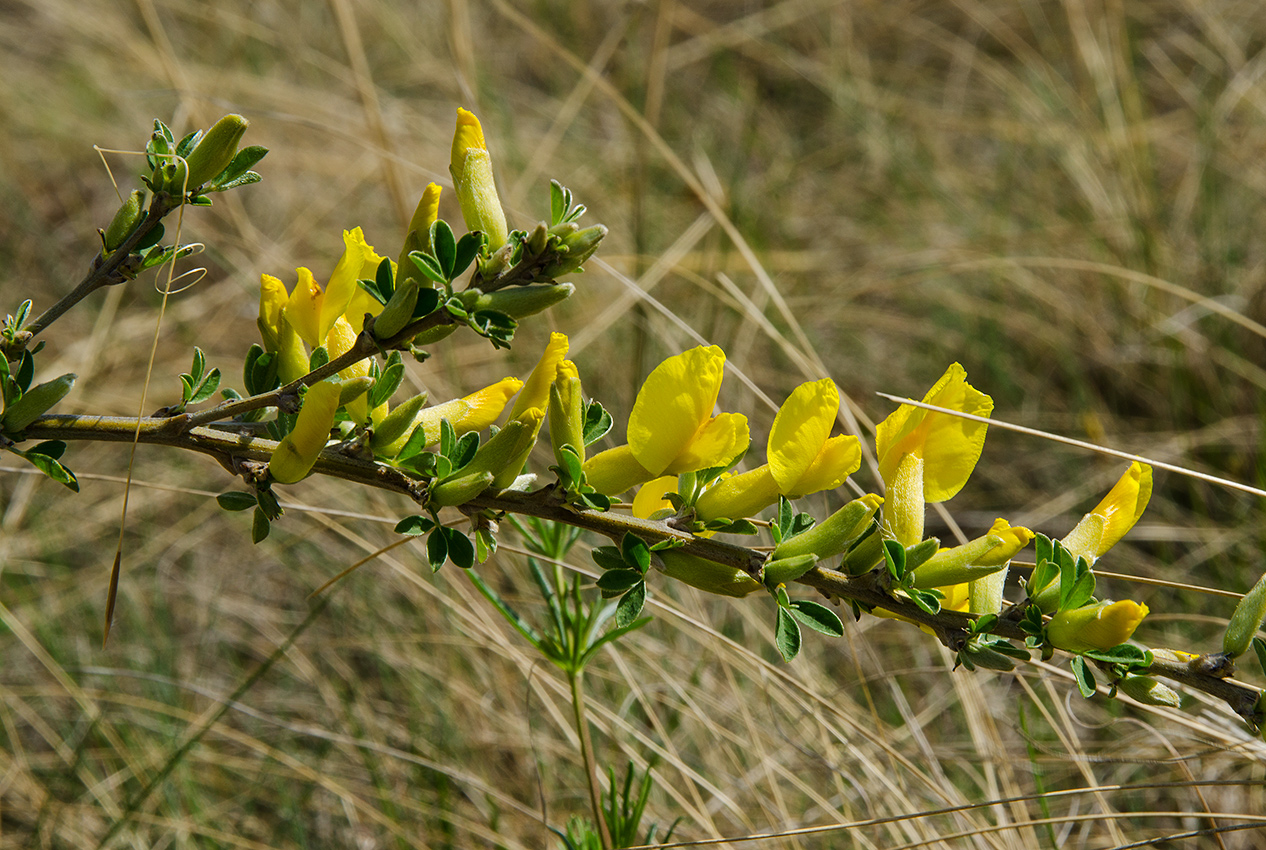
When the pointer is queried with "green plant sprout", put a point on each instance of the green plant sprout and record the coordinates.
(319, 397)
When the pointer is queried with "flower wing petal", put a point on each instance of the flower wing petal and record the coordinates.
(673, 405)
(800, 431)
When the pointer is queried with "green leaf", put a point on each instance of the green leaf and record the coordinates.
(1126, 653)
(206, 388)
(260, 526)
(731, 526)
(1259, 649)
(269, 504)
(1082, 589)
(460, 550)
(928, 600)
(429, 266)
(559, 201)
(918, 554)
(597, 423)
(50, 465)
(467, 249)
(236, 500)
(241, 163)
(817, 617)
(437, 549)
(615, 582)
(428, 301)
(26, 371)
(787, 635)
(465, 449)
(318, 359)
(245, 180)
(1085, 678)
(895, 559)
(444, 245)
(635, 552)
(983, 624)
(188, 143)
(630, 605)
(529, 634)
(485, 544)
(49, 448)
(415, 524)
(608, 557)
(387, 384)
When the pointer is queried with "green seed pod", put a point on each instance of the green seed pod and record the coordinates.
(1148, 691)
(215, 150)
(706, 575)
(124, 221)
(1246, 620)
(35, 402)
(398, 312)
(833, 534)
(393, 431)
(459, 490)
(783, 570)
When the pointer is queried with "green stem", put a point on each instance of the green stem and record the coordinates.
(586, 754)
(231, 448)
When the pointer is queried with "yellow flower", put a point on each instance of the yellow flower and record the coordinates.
(279, 335)
(1101, 625)
(474, 412)
(535, 392)
(671, 428)
(1100, 529)
(650, 500)
(927, 456)
(311, 310)
(471, 167)
(803, 457)
(297, 452)
(418, 237)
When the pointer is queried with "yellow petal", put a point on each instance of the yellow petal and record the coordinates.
(650, 496)
(615, 471)
(904, 507)
(800, 431)
(428, 209)
(1014, 538)
(721, 439)
(338, 342)
(471, 167)
(272, 300)
(1124, 504)
(949, 446)
(469, 134)
(737, 496)
(839, 458)
(1099, 626)
(674, 403)
(303, 309)
(362, 302)
(956, 597)
(535, 391)
(297, 452)
(357, 254)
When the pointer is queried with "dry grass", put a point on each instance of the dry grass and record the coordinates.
(1066, 196)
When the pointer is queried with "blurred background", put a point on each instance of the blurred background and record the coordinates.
(1066, 196)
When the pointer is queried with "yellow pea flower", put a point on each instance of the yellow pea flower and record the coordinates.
(927, 456)
(649, 499)
(474, 412)
(1100, 529)
(671, 428)
(279, 335)
(566, 412)
(1101, 625)
(295, 455)
(535, 392)
(311, 310)
(803, 457)
(471, 167)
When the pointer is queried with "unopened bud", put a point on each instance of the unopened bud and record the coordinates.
(35, 402)
(1246, 620)
(215, 150)
(706, 575)
(393, 432)
(1148, 691)
(124, 221)
(833, 535)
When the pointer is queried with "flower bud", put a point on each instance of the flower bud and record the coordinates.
(580, 246)
(295, 455)
(459, 490)
(399, 309)
(353, 388)
(503, 455)
(782, 570)
(474, 412)
(418, 236)
(1148, 691)
(566, 412)
(215, 150)
(1100, 625)
(519, 302)
(35, 402)
(171, 177)
(471, 167)
(393, 432)
(958, 564)
(124, 221)
(834, 534)
(1246, 620)
(706, 575)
